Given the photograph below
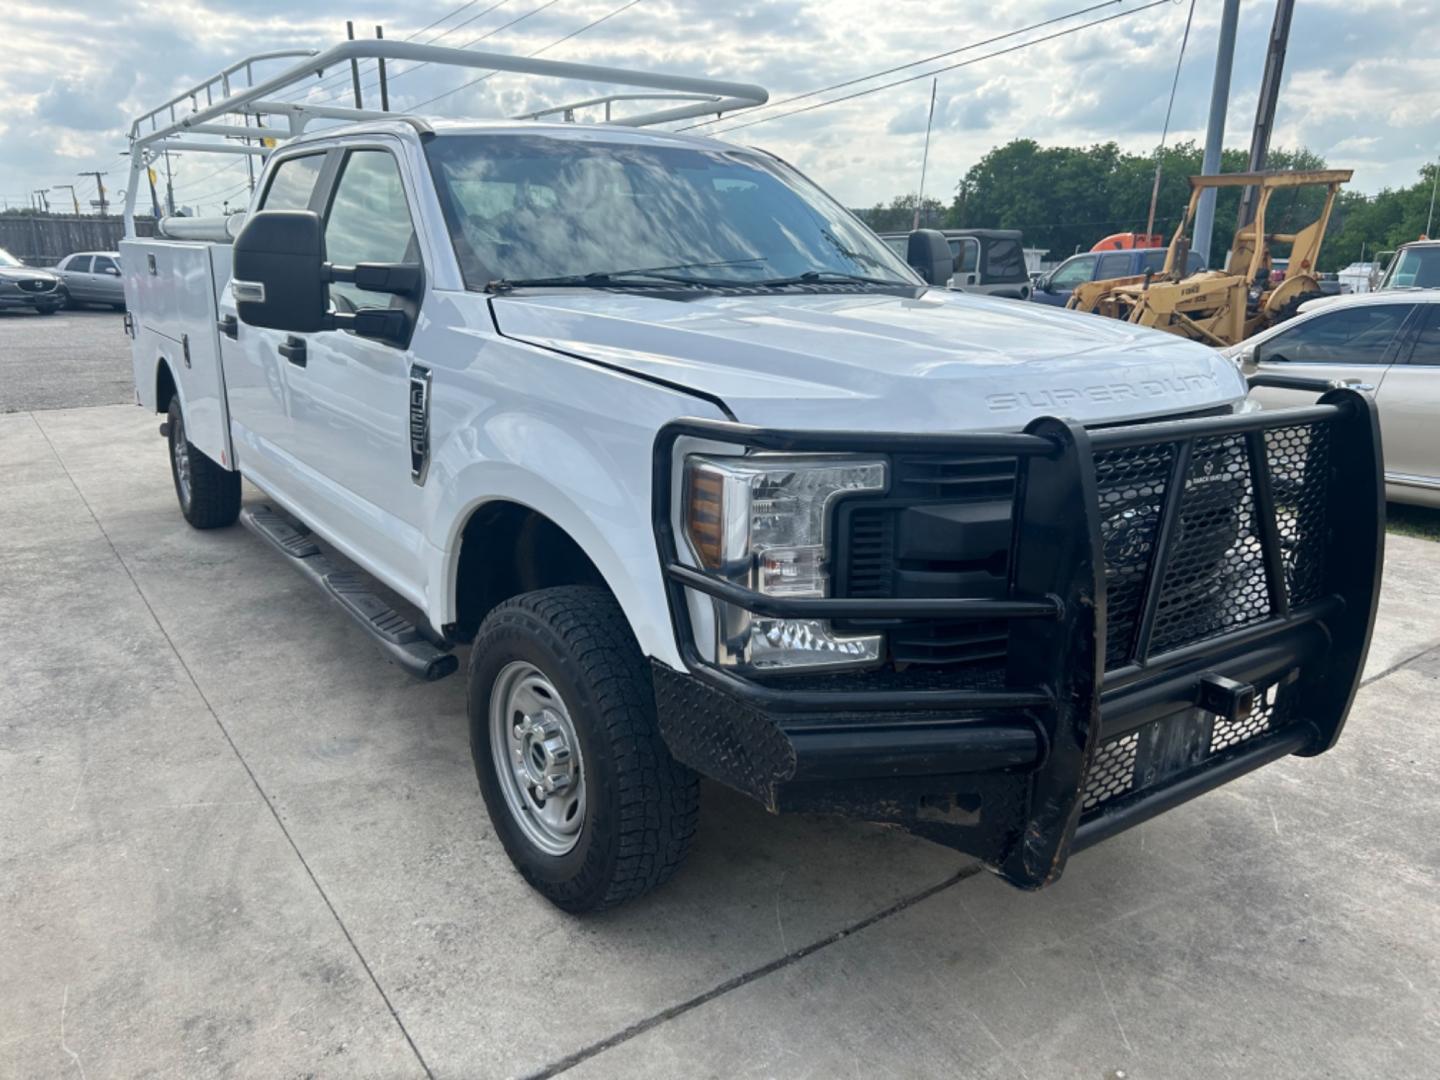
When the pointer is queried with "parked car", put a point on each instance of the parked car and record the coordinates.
(716, 485)
(1386, 340)
(989, 261)
(24, 286)
(93, 277)
(1055, 287)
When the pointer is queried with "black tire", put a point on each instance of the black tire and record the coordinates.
(209, 495)
(50, 310)
(641, 806)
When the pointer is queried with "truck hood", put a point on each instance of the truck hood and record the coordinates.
(942, 361)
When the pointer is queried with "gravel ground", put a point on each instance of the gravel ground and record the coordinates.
(64, 360)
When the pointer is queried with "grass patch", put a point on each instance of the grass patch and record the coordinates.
(1419, 521)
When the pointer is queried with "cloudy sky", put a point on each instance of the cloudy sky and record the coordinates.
(1361, 83)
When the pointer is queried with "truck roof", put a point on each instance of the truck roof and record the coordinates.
(403, 124)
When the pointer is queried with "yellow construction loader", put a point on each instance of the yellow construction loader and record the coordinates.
(1222, 307)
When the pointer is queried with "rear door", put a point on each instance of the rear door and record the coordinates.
(1355, 343)
(1115, 264)
(1409, 401)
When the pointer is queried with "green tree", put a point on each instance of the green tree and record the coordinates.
(898, 215)
(1065, 198)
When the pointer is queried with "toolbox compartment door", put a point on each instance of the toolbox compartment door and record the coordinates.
(171, 289)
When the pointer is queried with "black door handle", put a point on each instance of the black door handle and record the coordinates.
(229, 326)
(293, 349)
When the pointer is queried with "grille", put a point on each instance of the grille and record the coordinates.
(1131, 485)
(1215, 580)
(1134, 761)
(37, 285)
(1216, 577)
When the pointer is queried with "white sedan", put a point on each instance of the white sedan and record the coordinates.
(1388, 341)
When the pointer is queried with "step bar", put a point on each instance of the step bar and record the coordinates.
(408, 644)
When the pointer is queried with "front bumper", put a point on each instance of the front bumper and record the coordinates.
(22, 295)
(1119, 696)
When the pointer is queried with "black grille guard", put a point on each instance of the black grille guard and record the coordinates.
(1045, 722)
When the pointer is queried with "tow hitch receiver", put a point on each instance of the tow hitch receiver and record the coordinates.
(1228, 699)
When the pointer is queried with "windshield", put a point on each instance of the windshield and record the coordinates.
(1414, 268)
(6, 259)
(522, 207)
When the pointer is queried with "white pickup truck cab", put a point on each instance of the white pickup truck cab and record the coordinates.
(712, 484)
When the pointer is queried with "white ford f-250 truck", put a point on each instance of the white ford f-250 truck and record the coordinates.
(714, 485)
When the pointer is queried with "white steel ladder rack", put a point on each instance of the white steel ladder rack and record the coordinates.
(168, 127)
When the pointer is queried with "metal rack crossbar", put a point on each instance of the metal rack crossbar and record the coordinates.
(167, 128)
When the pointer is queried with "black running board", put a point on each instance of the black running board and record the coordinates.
(356, 593)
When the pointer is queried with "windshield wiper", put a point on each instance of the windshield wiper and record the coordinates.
(616, 278)
(814, 277)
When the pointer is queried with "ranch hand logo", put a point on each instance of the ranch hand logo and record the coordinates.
(419, 422)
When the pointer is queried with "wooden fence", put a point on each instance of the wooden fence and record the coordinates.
(45, 239)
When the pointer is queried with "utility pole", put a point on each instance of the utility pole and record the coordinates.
(73, 198)
(1215, 132)
(99, 185)
(925, 158)
(42, 200)
(1265, 110)
(169, 186)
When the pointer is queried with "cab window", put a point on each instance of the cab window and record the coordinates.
(1075, 272)
(292, 183)
(1114, 265)
(1353, 335)
(104, 265)
(967, 254)
(369, 221)
(77, 264)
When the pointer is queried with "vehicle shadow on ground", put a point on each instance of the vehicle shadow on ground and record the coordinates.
(1421, 521)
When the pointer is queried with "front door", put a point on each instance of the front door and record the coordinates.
(1351, 343)
(346, 429)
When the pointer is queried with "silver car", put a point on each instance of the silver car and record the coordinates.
(93, 277)
(24, 286)
(1388, 340)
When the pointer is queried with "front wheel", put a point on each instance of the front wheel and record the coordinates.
(209, 495)
(584, 795)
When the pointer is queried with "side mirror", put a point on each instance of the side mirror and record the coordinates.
(928, 253)
(112, 271)
(278, 278)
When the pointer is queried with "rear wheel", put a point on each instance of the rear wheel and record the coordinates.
(209, 495)
(584, 795)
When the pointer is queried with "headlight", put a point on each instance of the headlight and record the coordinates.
(760, 522)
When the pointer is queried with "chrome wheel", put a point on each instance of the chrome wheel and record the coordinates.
(180, 453)
(537, 757)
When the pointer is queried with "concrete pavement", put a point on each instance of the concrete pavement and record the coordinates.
(234, 843)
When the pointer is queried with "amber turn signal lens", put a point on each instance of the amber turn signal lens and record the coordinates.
(704, 515)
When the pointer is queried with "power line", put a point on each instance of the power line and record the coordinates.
(1165, 131)
(923, 60)
(949, 67)
(558, 41)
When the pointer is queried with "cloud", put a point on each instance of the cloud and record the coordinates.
(1361, 85)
